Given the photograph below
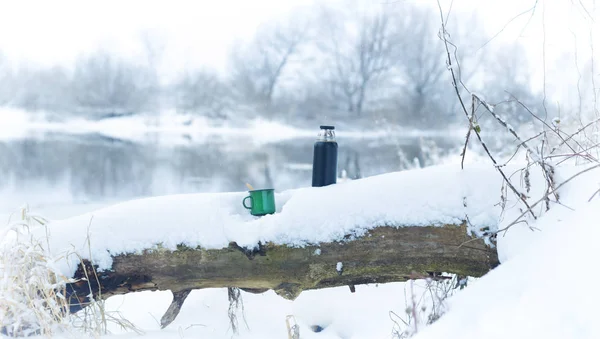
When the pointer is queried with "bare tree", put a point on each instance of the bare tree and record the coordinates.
(506, 84)
(356, 58)
(202, 92)
(154, 45)
(105, 86)
(424, 98)
(5, 81)
(41, 89)
(259, 66)
(420, 64)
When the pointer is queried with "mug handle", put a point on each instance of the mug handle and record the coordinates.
(244, 202)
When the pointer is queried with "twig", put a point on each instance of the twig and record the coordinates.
(574, 134)
(455, 84)
(532, 9)
(540, 120)
(397, 316)
(293, 330)
(510, 129)
(193, 325)
(235, 303)
(569, 156)
(544, 57)
(508, 183)
(545, 196)
(536, 157)
(449, 61)
(593, 195)
(519, 146)
(464, 151)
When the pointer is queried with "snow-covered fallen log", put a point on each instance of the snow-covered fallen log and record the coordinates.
(378, 229)
(383, 254)
(374, 230)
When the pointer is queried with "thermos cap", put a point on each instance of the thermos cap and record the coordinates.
(327, 127)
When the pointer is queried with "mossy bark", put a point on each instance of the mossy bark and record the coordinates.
(384, 254)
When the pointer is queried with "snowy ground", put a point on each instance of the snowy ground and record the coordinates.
(541, 290)
(545, 289)
(341, 314)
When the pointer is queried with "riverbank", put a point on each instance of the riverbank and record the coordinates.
(172, 128)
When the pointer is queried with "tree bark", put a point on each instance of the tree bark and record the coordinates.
(384, 254)
(174, 308)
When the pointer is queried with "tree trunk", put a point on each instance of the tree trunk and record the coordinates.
(384, 254)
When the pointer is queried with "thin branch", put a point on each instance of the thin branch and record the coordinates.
(449, 61)
(530, 17)
(517, 220)
(454, 82)
(464, 152)
(449, 11)
(538, 158)
(519, 146)
(578, 75)
(593, 195)
(544, 56)
(586, 11)
(510, 185)
(574, 134)
(532, 9)
(540, 120)
(577, 154)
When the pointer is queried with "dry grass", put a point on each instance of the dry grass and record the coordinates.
(425, 303)
(33, 292)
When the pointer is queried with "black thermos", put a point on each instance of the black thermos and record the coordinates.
(325, 158)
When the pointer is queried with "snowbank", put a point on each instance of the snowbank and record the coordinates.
(539, 293)
(431, 196)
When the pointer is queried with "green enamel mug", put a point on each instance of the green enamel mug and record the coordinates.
(260, 202)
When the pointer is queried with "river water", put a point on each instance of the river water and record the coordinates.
(61, 167)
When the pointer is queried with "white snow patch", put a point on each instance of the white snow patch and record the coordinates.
(340, 313)
(12, 123)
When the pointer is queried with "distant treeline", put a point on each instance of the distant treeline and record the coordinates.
(382, 63)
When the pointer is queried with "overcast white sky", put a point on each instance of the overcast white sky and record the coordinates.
(195, 31)
(199, 32)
